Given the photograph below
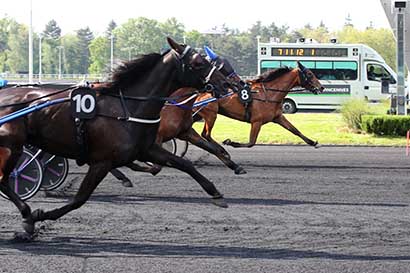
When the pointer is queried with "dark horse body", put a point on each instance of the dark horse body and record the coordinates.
(268, 92)
(111, 142)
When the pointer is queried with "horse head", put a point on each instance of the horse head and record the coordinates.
(197, 71)
(224, 66)
(308, 80)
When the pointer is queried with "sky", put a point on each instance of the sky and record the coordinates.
(199, 15)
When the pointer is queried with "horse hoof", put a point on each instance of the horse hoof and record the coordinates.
(127, 184)
(240, 170)
(220, 202)
(28, 225)
(317, 145)
(23, 237)
(227, 142)
(155, 170)
(37, 215)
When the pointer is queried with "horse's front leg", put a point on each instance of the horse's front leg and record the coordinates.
(281, 120)
(214, 148)
(255, 129)
(94, 176)
(157, 154)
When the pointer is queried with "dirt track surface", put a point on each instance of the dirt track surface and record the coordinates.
(299, 209)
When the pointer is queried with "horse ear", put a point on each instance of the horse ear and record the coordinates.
(301, 67)
(211, 54)
(174, 45)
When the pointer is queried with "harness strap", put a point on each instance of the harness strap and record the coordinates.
(80, 140)
(140, 120)
(174, 103)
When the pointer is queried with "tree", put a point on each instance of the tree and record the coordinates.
(50, 51)
(138, 36)
(72, 54)
(99, 56)
(17, 52)
(172, 28)
(7, 25)
(84, 36)
(110, 29)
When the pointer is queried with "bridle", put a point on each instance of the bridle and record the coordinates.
(185, 66)
(305, 83)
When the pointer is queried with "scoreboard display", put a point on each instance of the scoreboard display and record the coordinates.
(319, 52)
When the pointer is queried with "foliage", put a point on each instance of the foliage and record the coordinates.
(99, 56)
(352, 111)
(50, 51)
(141, 35)
(85, 37)
(381, 40)
(386, 125)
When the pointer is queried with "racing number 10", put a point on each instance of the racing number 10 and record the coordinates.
(84, 104)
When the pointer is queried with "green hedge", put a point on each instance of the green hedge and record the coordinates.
(386, 125)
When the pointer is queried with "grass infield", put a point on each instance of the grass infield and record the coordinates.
(327, 128)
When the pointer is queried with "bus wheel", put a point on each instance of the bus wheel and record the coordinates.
(289, 107)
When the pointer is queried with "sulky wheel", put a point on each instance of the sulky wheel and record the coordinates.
(26, 178)
(55, 171)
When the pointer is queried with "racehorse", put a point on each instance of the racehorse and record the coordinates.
(123, 130)
(267, 93)
(177, 121)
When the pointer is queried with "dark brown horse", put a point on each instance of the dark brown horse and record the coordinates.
(268, 92)
(124, 129)
(176, 122)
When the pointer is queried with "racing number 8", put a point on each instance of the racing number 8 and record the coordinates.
(244, 95)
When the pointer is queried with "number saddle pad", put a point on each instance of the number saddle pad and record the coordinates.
(83, 103)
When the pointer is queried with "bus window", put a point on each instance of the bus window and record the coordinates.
(376, 72)
(291, 64)
(336, 70)
(269, 65)
(308, 64)
(347, 70)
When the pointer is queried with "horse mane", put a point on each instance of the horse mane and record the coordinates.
(131, 71)
(272, 74)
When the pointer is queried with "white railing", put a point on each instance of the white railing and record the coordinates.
(55, 77)
(65, 77)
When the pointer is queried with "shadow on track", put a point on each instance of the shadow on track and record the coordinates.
(93, 248)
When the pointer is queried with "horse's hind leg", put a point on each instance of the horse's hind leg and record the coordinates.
(125, 181)
(158, 155)
(95, 175)
(281, 120)
(193, 137)
(255, 129)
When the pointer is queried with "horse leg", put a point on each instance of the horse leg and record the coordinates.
(193, 137)
(209, 122)
(8, 161)
(281, 120)
(255, 128)
(125, 181)
(154, 169)
(94, 176)
(158, 155)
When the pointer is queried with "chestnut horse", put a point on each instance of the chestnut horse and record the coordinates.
(123, 130)
(268, 92)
